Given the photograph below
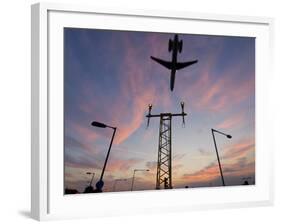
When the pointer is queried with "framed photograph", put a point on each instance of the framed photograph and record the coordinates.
(138, 111)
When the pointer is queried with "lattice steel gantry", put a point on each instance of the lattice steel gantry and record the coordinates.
(164, 163)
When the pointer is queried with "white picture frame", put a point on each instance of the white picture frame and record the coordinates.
(48, 201)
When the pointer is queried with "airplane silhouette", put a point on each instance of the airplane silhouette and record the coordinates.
(175, 46)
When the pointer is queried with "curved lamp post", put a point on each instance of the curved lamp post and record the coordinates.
(133, 179)
(89, 188)
(93, 175)
(115, 183)
(228, 136)
(100, 183)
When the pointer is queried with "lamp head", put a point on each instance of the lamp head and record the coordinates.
(98, 124)
(182, 105)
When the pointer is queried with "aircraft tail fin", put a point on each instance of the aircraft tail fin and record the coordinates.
(181, 65)
(166, 64)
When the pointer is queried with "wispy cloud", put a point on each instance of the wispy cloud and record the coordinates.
(117, 165)
(179, 156)
(71, 142)
(237, 160)
(211, 91)
(151, 165)
(222, 94)
(232, 122)
(240, 149)
(77, 154)
(211, 172)
(204, 152)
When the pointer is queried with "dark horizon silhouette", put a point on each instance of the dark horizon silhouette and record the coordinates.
(71, 191)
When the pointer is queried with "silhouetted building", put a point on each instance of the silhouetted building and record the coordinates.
(246, 182)
(70, 191)
(89, 189)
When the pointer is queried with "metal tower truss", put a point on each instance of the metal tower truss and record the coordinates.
(164, 164)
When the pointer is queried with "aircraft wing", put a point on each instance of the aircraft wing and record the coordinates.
(166, 64)
(181, 65)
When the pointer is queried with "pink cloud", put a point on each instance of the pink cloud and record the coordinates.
(235, 162)
(232, 122)
(137, 91)
(86, 132)
(211, 172)
(223, 93)
(151, 165)
(117, 165)
(216, 95)
(240, 149)
(127, 108)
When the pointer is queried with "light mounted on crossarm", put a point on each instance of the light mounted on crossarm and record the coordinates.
(149, 114)
(182, 111)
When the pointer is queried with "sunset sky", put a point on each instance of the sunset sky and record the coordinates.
(109, 77)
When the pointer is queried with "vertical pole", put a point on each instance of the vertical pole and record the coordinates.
(133, 180)
(92, 179)
(159, 154)
(222, 179)
(164, 165)
(105, 162)
(170, 152)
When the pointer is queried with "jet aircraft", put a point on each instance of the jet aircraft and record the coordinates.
(175, 46)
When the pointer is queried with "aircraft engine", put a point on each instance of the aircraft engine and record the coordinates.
(170, 45)
(180, 46)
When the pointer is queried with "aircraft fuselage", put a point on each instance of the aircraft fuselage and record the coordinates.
(175, 46)
(174, 62)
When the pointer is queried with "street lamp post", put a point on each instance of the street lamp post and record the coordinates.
(93, 175)
(115, 183)
(228, 136)
(89, 188)
(100, 183)
(133, 179)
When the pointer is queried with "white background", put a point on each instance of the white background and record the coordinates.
(15, 111)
